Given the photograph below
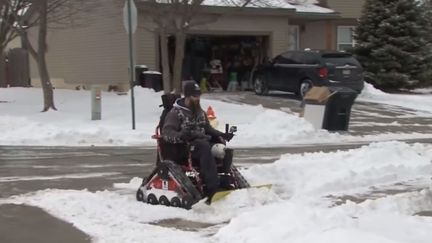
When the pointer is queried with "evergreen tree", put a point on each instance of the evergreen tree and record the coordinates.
(394, 43)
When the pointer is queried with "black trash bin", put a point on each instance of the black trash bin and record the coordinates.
(152, 79)
(338, 109)
(139, 74)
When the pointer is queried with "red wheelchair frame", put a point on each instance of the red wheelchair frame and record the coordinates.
(180, 185)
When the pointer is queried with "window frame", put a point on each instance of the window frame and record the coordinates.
(339, 30)
(294, 30)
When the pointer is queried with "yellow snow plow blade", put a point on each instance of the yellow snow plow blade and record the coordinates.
(222, 194)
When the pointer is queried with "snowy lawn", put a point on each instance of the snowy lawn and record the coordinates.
(300, 208)
(422, 102)
(22, 123)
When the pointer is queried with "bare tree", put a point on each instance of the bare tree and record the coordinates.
(8, 9)
(45, 14)
(7, 32)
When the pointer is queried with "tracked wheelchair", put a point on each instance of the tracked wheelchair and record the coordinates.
(176, 180)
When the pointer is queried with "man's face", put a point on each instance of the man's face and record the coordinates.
(195, 99)
(195, 104)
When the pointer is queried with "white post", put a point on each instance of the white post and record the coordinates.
(96, 102)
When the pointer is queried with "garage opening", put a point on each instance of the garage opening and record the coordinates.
(221, 59)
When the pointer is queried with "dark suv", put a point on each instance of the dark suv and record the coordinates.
(298, 71)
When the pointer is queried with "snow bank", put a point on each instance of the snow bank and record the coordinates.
(417, 103)
(22, 123)
(307, 6)
(300, 208)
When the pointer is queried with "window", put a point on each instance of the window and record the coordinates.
(283, 59)
(293, 37)
(345, 38)
(290, 57)
(309, 58)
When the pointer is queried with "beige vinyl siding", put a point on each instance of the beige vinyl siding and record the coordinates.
(146, 46)
(95, 52)
(313, 35)
(347, 8)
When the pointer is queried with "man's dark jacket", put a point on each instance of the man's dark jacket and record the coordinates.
(180, 118)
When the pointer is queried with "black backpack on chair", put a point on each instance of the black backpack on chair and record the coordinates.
(167, 103)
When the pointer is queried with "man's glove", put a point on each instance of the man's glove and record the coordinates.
(227, 136)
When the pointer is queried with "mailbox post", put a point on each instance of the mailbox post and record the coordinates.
(96, 102)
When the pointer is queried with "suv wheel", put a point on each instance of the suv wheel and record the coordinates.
(260, 85)
(305, 86)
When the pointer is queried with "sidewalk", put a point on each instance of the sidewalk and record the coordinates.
(20, 223)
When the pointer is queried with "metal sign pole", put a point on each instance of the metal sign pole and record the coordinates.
(131, 63)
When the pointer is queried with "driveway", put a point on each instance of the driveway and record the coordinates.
(366, 118)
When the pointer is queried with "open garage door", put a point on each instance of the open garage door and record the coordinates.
(222, 58)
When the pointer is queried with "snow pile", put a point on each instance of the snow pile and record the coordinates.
(344, 171)
(410, 101)
(272, 127)
(299, 209)
(21, 123)
(423, 90)
(307, 6)
(357, 223)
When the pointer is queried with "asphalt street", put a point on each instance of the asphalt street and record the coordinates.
(28, 169)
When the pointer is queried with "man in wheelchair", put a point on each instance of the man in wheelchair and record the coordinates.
(186, 126)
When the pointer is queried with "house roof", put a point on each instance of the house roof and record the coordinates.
(305, 7)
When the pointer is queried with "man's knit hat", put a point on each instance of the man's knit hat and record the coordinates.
(191, 89)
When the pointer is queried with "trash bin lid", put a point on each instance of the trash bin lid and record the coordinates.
(317, 95)
(152, 72)
(341, 89)
(141, 66)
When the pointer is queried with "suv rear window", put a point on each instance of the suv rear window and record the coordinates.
(300, 57)
(339, 59)
(309, 58)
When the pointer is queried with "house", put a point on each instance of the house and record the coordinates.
(96, 53)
